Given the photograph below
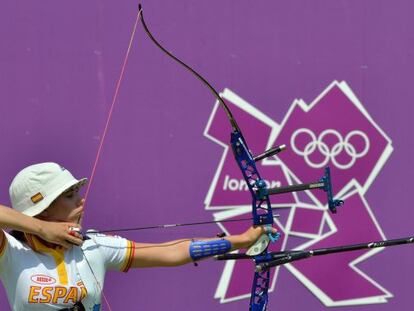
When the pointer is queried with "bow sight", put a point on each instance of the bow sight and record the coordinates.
(325, 183)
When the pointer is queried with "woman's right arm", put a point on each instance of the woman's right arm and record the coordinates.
(54, 232)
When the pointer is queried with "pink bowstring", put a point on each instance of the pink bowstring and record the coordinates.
(111, 109)
(108, 119)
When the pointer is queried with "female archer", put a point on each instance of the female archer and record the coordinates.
(46, 263)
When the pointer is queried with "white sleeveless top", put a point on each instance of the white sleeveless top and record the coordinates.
(37, 277)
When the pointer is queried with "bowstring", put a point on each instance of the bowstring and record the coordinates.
(111, 109)
(101, 143)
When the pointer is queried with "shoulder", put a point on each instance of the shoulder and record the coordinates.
(11, 249)
(115, 251)
(103, 238)
(104, 241)
(8, 239)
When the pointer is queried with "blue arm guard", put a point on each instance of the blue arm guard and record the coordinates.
(202, 249)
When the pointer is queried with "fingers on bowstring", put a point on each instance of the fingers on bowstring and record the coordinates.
(75, 237)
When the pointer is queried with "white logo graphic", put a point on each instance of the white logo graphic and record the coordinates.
(330, 154)
(340, 148)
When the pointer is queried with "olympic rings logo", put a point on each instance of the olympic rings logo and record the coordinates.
(317, 144)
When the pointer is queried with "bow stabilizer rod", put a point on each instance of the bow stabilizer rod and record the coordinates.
(297, 255)
(268, 153)
(284, 257)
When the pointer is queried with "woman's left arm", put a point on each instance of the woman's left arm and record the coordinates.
(175, 253)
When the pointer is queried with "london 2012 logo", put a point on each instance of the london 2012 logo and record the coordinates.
(334, 130)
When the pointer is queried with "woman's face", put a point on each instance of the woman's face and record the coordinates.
(68, 207)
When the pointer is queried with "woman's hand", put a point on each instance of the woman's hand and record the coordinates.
(251, 235)
(64, 234)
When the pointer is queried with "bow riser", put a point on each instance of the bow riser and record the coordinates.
(259, 297)
(262, 215)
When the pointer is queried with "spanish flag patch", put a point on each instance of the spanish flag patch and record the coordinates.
(37, 197)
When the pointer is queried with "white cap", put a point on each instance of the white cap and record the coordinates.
(35, 187)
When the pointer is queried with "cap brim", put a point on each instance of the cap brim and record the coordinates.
(44, 204)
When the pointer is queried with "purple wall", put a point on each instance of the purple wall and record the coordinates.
(59, 63)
